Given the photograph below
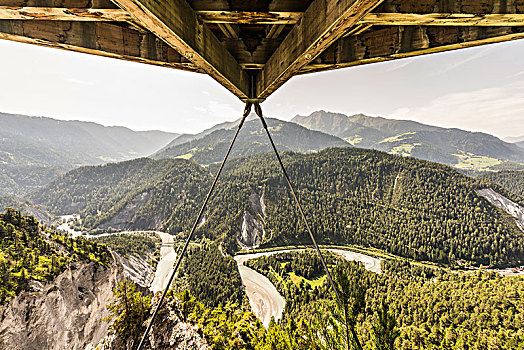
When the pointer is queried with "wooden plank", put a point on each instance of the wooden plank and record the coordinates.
(258, 57)
(478, 7)
(443, 19)
(274, 31)
(390, 43)
(176, 23)
(63, 14)
(101, 4)
(96, 38)
(229, 31)
(245, 17)
(250, 5)
(322, 24)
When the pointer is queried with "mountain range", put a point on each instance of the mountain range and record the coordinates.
(211, 145)
(458, 148)
(34, 150)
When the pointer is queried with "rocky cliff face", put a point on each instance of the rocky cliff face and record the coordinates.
(168, 332)
(505, 204)
(67, 313)
(252, 232)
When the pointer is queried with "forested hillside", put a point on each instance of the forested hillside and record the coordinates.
(405, 206)
(211, 146)
(433, 309)
(102, 192)
(28, 254)
(26, 208)
(35, 150)
(512, 181)
(455, 147)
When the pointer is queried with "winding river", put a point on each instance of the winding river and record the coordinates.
(266, 302)
(167, 253)
(264, 299)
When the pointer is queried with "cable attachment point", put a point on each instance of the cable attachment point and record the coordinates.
(247, 109)
(258, 111)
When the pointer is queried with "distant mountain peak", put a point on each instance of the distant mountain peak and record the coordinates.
(210, 145)
(455, 147)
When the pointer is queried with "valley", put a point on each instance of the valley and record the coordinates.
(397, 227)
(166, 259)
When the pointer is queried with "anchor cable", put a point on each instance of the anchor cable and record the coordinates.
(247, 110)
(258, 111)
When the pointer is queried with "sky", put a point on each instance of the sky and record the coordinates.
(477, 89)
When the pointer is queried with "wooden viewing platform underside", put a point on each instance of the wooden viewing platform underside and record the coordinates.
(252, 47)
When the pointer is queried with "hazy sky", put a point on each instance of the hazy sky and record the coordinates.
(480, 89)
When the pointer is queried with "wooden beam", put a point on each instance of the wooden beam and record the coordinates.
(322, 24)
(229, 31)
(175, 22)
(443, 19)
(100, 4)
(244, 17)
(390, 43)
(274, 31)
(478, 7)
(250, 5)
(63, 14)
(96, 38)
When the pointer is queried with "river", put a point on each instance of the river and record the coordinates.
(265, 300)
(167, 253)
(165, 264)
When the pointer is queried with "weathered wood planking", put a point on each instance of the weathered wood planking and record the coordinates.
(478, 7)
(244, 17)
(177, 24)
(389, 43)
(64, 14)
(96, 38)
(443, 19)
(322, 24)
(250, 5)
(235, 17)
(101, 4)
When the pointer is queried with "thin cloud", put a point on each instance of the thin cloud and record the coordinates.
(498, 111)
(397, 65)
(457, 63)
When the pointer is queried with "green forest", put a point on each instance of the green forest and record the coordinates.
(28, 252)
(512, 181)
(404, 206)
(406, 307)
(142, 244)
(433, 308)
(211, 277)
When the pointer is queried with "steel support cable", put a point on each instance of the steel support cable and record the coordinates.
(258, 111)
(247, 110)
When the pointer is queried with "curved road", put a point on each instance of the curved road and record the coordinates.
(265, 300)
